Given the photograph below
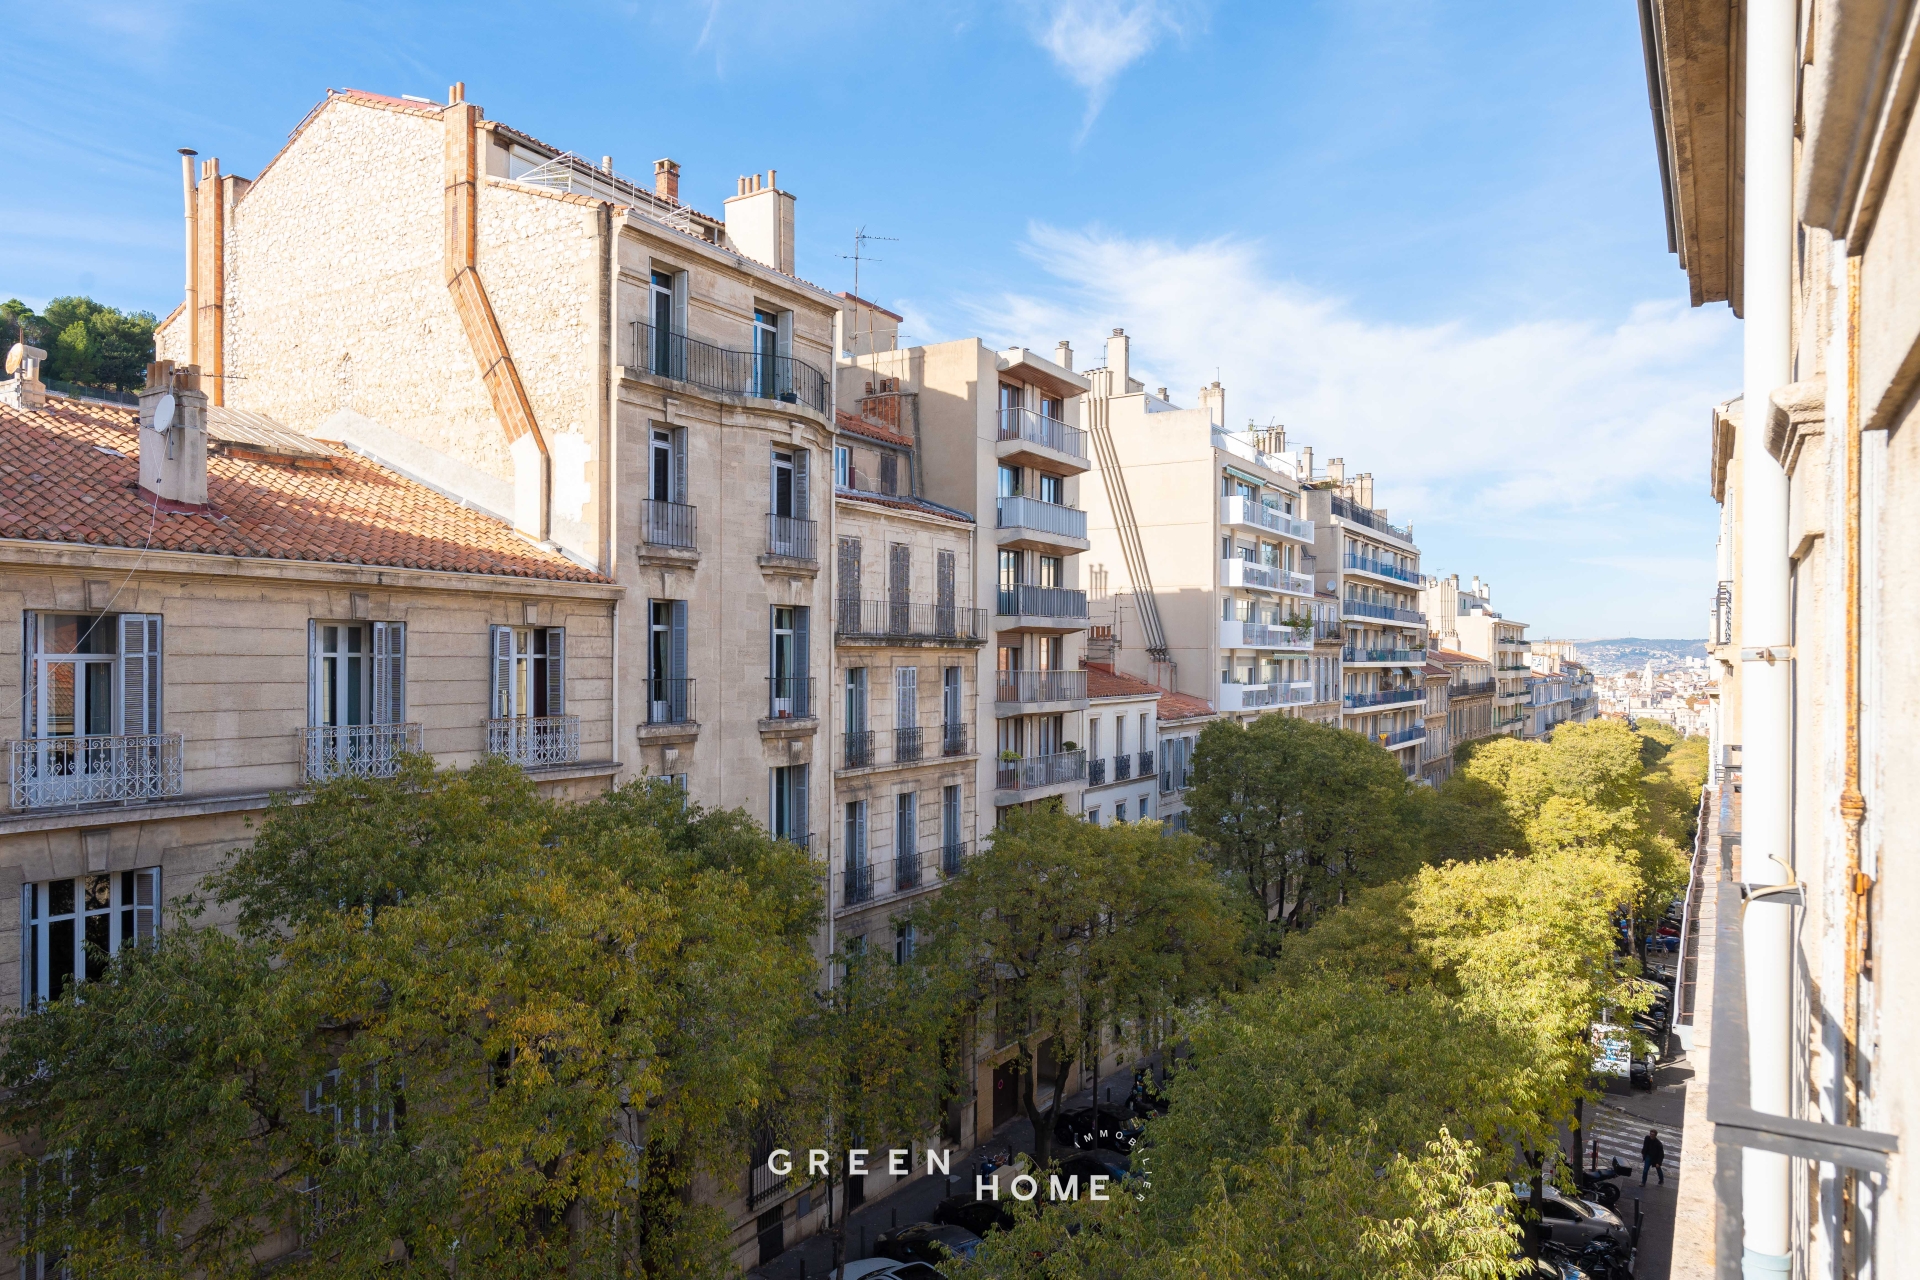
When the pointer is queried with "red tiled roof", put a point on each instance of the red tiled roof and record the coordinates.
(1183, 706)
(70, 473)
(1104, 682)
(1454, 657)
(868, 427)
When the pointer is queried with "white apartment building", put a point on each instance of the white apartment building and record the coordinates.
(1199, 535)
(1123, 736)
(1180, 717)
(1373, 567)
(1465, 620)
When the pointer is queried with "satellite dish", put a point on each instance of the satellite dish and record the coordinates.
(15, 354)
(163, 412)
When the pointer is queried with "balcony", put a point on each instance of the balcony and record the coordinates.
(1472, 689)
(859, 883)
(670, 700)
(666, 354)
(1392, 657)
(1351, 608)
(789, 697)
(1371, 519)
(105, 769)
(951, 856)
(790, 538)
(908, 745)
(1381, 569)
(1263, 697)
(1037, 772)
(1041, 608)
(902, 621)
(1036, 439)
(357, 750)
(953, 740)
(1381, 698)
(1097, 772)
(1143, 763)
(1401, 738)
(1029, 522)
(1328, 629)
(1251, 576)
(1023, 688)
(1122, 767)
(1265, 635)
(1253, 514)
(858, 750)
(669, 524)
(535, 742)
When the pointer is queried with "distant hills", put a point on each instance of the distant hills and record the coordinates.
(1633, 652)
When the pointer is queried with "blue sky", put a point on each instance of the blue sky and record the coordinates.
(1427, 237)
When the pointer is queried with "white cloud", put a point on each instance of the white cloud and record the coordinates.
(1573, 419)
(1093, 41)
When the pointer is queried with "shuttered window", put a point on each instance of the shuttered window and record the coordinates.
(356, 673)
(529, 671)
(90, 675)
(73, 926)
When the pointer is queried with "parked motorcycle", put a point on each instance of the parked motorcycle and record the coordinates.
(1602, 1259)
(1598, 1184)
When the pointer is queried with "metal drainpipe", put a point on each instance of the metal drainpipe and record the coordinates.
(1765, 678)
(1853, 805)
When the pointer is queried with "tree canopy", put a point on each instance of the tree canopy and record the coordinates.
(86, 342)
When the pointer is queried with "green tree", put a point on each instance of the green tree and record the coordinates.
(1301, 813)
(457, 1023)
(86, 342)
(1060, 929)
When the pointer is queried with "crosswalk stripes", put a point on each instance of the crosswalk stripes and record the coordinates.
(1620, 1134)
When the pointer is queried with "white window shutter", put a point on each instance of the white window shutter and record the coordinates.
(801, 510)
(382, 674)
(395, 706)
(146, 905)
(30, 705)
(556, 671)
(679, 451)
(502, 672)
(313, 672)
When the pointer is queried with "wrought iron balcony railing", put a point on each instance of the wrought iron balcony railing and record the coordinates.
(953, 739)
(859, 882)
(669, 524)
(670, 700)
(360, 750)
(1122, 767)
(101, 769)
(1097, 772)
(1143, 764)
(907, 745)
(859, 748)
(789, 697)
(907, 620)
(666, 354)
(951, 856)
(535, 741)
(790, 537)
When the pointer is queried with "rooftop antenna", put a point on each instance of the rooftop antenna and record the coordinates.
(860, 238)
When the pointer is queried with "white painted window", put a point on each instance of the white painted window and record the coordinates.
(357, 673)
(529, 671)
(70, 927)
(90, 675)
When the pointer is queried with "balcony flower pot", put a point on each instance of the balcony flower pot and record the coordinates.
(1009, 757)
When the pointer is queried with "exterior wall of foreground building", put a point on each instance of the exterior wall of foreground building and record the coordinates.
(1789, 166)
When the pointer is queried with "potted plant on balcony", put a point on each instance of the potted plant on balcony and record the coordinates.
(1009, 757)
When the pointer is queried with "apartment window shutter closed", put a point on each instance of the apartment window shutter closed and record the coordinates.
(848, 572)
(313, 672)
(139, 673)
(800, 507)
(906, 697)
(679, 447)
(556, 671)
(802, 667)
(389, 672)
(798, 821)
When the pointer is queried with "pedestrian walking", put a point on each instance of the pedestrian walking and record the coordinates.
(1653, 1156)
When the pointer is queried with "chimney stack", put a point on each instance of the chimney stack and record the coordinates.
(1337, 470)
(1117, 352)
(666, 180)
(1213, 397)
(1363, 489)
(24, 390)
(760, 222)
(173, 434)
(1063, 355)
(1306, 462)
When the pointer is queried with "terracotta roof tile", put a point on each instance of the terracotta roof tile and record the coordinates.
(868, 427)
(70, 473)
(1104, 682)
(1183, 706)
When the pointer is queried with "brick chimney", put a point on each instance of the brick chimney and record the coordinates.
(173, 434)
(760, 221)
(666, 180)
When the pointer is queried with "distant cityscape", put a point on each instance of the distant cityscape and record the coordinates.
(1660, 681)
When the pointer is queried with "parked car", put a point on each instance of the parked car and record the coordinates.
(977, 1216)
(1573, 1221)
(1096, 1163)
(927, 1242)
(888, 1269)
(1096, 1127)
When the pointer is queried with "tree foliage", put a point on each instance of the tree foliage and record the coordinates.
(86, 342)
(458, 1022)
(1061, 928)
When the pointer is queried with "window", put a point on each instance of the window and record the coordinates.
(856, 703)
(669, 691)
(1009, 482)
(1093, 737)
(950, 827)
(529, 672)
(766, 349)
(1119, 735)
(1050, 406)
(859, 872)
(906, 697)
(842, 466)
(1009, 657)
(72, 926)
(787, 809)
(1009, 398)
(903, 942)
(782, 503)
(1140, 809)
(1093, 815)
(906, 841)
(92, 675)
(1050, 652)
(1052, 571)
(788, 663)
(889, 472)
(950, 687)
(357, 673)
(1011, 569)
(1119, 810)
(1053, 489)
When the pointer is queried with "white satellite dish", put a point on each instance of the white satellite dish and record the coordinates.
(163, 412)
(19, 353)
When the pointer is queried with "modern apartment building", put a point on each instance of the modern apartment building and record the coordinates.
(1373, 567)
(1787, 154)
(907, 636)
(1123, 736)
(637, 386)
(1465, 620)
(1329, 644)
(1198, 532)
(205, 609)
(997, 432)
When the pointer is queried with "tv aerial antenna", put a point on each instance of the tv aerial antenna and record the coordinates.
(860, 239)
